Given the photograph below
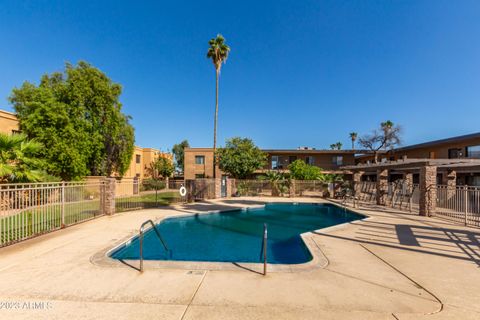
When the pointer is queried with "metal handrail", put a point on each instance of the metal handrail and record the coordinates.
(265, 238)
(141, 232)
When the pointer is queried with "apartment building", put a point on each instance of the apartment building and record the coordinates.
(199, 161)
(8, 122)
(141, 160)
(459, 147)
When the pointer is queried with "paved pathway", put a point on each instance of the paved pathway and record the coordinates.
(391, 266)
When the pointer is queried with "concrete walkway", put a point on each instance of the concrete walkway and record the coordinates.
(390, 266)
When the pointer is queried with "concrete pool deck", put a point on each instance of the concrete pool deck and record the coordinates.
(391, 266)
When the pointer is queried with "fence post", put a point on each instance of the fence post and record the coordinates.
(109, 196)
(63, 204)
(466, 204)
(291, 189)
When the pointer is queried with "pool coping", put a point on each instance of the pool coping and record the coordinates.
(318, 261)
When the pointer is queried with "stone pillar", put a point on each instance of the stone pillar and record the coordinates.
(449, 179)
(357, 182)
(291, 189)
(382, 186)
(428, 190)
(109, 195)
(218, 188)
(408, 178)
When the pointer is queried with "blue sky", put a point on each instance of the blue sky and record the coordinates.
(300, 72)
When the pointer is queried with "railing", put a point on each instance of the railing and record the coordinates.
(459, 204)
(367, 192)
(175, 184)
(253, 187)
(264, 248)
(201, 189)
(140, 235)
(281, 188)
(28, 210)
(310, 188)
(133, 194)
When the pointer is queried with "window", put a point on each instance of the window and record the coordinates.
(199, 159)
(138, 158)
(292, 159)
(310, 160)
(455, 153)
(431, 154)
(337, 160)
(473, 152)
(274, 162)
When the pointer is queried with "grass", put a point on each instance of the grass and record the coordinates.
(146, 201)
(48, 218)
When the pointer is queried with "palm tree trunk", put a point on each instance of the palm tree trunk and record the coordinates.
(215, 122)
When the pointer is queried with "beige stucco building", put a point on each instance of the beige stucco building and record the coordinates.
(142, 157)
(8, 122)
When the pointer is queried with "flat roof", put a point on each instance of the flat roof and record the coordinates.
(441, 141)
(414, 164)
(297, 151)
(8, 115)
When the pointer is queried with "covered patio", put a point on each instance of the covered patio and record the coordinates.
(427, 185)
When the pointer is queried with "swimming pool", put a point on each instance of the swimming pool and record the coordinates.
(236, 236)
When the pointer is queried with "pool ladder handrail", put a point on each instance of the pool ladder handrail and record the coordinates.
(141, 232)
(264, 244)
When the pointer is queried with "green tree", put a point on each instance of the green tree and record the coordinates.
(218, 53)
(161, 168)
(77, 116)
(353, 137)
(240, 157)
(299, 170)
(19, 159)
(279, 181)
(178, 151)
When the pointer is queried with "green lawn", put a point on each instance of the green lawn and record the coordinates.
(48, 218)
(146, 201)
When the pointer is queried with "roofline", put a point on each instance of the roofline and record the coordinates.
(440, 141)
(309, 151)
(5, 111)
(9, 115)
(315, 151)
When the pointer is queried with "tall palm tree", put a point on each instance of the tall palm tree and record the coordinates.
(336, 146)
(386, 127)
(218, 52)
(353, 136)
(19, 161)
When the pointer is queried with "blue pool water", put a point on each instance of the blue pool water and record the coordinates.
(236, 236)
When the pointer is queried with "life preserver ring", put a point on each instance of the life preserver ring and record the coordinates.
(183, 191)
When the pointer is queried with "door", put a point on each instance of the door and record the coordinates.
(224, 187)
